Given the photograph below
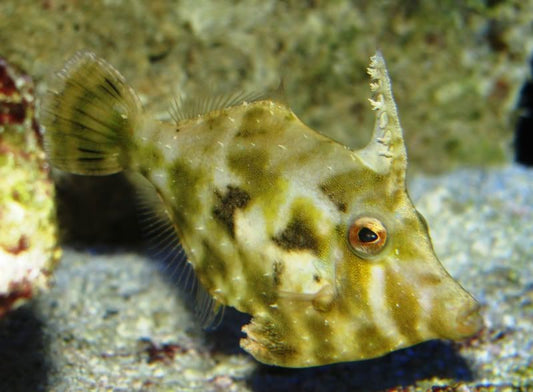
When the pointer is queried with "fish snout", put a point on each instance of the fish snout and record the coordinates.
(455, 313)
(469, 320)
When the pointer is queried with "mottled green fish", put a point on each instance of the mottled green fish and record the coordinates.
(320, 244)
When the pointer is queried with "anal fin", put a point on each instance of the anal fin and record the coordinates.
(164, 246)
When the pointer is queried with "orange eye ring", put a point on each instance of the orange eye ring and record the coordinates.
(367, 236)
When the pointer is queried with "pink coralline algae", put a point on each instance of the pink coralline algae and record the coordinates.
(16, 96)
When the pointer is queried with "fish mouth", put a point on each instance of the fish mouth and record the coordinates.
(469, 321)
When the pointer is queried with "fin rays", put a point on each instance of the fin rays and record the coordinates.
(164, 246)
(89, 105)
(184, 108)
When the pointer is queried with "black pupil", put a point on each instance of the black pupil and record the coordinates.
(367, 235)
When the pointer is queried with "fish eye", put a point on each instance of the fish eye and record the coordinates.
(367, 236)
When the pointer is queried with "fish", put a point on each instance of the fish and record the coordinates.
(319, 243)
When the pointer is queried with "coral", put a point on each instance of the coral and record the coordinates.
(28, 249)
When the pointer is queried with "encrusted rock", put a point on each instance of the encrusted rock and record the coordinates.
(28, 235)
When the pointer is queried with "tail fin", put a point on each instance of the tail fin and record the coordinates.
(90, 117)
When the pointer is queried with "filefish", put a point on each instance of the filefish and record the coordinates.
(318, 242)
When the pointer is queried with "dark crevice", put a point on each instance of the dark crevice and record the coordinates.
(523, 141)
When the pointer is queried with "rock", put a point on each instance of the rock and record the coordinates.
(28, 233)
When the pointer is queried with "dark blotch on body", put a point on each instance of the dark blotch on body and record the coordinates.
(278, 271)
(297, 236)
(224, 210)
(274, 338)
(335, 199)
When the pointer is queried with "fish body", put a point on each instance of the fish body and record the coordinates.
(319, 243)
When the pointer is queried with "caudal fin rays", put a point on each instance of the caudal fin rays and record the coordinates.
(89, 116)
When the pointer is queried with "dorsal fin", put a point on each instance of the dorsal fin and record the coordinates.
(187, 108)
(164, 246)
(385, 153)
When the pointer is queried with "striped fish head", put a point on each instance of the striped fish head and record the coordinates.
(389, 289)
(392, 284)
